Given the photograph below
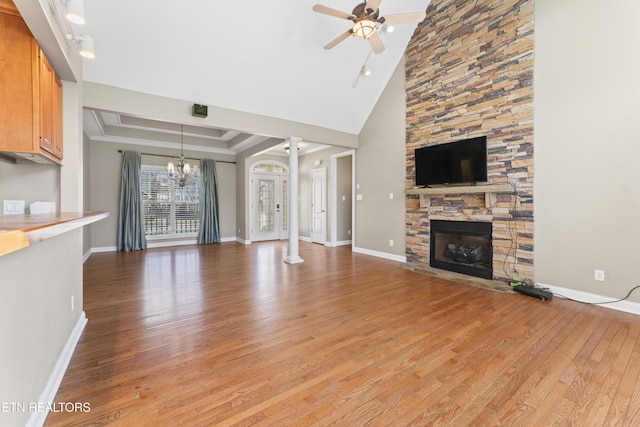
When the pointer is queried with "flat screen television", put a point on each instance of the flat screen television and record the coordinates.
(457, 162)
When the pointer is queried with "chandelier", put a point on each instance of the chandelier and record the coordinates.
(182, 171)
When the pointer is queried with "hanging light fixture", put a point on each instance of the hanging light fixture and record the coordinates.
(181, 172)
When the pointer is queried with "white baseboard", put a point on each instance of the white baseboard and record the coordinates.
(242, 241)
(104, 249)
(378, 254)
(626, 306)
(86, 256)
(304, 239)
(168, 243)
(342, 243)
(55, 378)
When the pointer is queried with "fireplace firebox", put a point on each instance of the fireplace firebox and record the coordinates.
(462, 246)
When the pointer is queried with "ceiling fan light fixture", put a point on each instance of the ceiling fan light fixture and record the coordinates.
(365, 28)
(366, 70)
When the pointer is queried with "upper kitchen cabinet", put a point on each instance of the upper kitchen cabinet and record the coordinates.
(30, 94)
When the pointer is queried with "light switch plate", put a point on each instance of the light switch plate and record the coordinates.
(13, 207)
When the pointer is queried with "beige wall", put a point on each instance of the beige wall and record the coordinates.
(105, 175)
(36, 319)
(306, 165)
(587, 186)
(380, 170)
(30, 182)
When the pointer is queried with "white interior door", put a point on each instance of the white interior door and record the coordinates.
(269, 207)
(318, 205)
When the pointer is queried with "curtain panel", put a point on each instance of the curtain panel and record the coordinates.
(131, 235)
(209, 218)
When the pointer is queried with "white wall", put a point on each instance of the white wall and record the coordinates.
(587, 144)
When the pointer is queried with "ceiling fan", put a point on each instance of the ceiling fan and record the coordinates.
(366, 17)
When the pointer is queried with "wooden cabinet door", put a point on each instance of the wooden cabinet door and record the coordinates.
(57, 117)
(17, 97)
(47, 113)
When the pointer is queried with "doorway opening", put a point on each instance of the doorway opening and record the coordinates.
(343, 196)
(269, 186)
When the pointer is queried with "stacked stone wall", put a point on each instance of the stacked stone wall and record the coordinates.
(469, 72)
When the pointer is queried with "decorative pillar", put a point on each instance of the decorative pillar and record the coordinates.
(293, 257)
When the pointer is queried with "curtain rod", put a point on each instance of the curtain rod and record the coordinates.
(171, 157)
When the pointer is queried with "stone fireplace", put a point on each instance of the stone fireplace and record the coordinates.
(466, 77)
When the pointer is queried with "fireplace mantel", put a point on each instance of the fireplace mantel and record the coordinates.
(490, 191)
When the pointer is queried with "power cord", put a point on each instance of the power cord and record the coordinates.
(533, 284)
(514, 209)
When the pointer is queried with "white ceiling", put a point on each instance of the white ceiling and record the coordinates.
(253, 56)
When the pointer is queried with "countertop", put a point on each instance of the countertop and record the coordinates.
(19, 231)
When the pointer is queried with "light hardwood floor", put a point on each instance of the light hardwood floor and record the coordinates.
(229, 334)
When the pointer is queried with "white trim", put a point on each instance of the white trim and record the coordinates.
(304, 238)
(152, 245)
(344, 243)
(55, 378)
(242, 241)
(626, 306)
(399, 258)
(104, 249)
(159, 144)
(86, 256)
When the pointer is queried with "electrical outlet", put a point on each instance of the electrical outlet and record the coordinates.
(390, 196)
(73, 302)
(390, 242)
(599, 275)
(349, 232)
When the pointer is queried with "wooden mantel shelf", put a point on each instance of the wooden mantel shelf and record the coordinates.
(490, 191)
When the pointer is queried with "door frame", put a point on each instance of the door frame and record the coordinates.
(333, 208)
(252, 208)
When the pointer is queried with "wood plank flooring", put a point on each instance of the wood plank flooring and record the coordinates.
(228, 334)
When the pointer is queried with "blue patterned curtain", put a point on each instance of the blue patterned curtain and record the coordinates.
(131, 235)
(209, 222)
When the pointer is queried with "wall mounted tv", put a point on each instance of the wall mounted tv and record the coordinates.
(457, 162)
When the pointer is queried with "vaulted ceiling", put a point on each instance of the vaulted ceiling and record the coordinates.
(252, 56)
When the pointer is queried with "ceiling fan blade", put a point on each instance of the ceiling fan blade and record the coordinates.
(376, 43)
(342, 37)
(373, 4)
(332, 12)
(401, 18)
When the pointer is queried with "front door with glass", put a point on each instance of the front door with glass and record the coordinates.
(269, 207)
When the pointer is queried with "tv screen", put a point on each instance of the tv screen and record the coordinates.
(455, 162)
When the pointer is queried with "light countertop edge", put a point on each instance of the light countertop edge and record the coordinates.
(19, 231)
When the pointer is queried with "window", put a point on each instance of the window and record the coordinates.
(169, 210)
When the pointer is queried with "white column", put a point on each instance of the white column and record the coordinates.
(293, 257)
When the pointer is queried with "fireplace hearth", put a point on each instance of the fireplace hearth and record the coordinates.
(462, 247)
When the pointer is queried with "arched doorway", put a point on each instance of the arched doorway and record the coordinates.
(269, 186)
